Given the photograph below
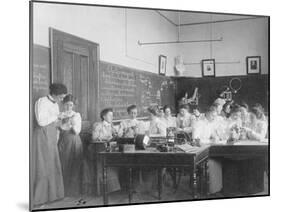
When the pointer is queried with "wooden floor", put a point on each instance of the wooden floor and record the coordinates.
(121, 197)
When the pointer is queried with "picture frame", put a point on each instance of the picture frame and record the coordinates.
(208, 68)
(162, 65)
(253, 64)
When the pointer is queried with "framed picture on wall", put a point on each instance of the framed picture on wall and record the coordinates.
(208, 68)
(162, 64)
(253, 64)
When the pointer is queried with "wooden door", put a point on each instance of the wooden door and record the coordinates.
(75, 62)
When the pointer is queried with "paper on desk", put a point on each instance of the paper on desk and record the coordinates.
(190, 149)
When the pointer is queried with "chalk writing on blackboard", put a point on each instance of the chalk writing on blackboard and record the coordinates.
(40, 71)
(40, 81)
(121, 86)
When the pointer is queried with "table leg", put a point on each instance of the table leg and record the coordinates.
(206, 178)
(194, 183)
(130, 185)
(105, 197)
(201, 178)
(159, 183)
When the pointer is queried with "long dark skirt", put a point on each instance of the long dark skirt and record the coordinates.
(71, 156)
(47, 177)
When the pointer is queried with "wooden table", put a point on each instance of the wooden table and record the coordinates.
(240, 150)
(244, 164)
(195, 162)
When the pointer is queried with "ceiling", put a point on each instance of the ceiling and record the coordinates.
(192, 18)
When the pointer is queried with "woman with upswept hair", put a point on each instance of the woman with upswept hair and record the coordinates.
(47, 180)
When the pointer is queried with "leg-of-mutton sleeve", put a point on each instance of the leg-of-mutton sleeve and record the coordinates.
(102, 131)
(97, 131)
(46, 112)
(76, 123)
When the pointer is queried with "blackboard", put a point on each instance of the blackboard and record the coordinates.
(40, 72)
(254, 89)
(120, 86)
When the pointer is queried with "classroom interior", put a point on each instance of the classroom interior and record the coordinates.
(111, 57)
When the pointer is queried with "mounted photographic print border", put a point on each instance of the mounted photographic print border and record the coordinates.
(208, 68)
(253, 64)
(162, 65)
(137, 74)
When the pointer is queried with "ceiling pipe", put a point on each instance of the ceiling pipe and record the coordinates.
(183, 41)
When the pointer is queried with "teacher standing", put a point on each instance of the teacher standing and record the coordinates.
(47, 177)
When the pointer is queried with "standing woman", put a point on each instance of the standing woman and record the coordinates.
(46, 167)
(70, 148)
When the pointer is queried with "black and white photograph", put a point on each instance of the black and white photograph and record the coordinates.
(162, 64)
(208, 68)
(135, 105)
(253, 64)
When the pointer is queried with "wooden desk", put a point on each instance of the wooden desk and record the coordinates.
(244, 164)
(195, 162)
(240, 150)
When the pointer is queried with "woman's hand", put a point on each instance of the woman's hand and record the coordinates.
(58, 123)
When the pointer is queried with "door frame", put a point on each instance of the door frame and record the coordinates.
(96, 73)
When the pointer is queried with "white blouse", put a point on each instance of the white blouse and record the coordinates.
(258, 130)
(46, 111)
(130, 127)
(74, 121)
(103, 131)
(157, 128)
(205, 131)
(169, 121)
(185, 122)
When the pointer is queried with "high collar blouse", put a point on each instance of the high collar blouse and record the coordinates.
(46, 111)
(103, 131)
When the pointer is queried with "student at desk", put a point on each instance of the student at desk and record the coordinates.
(184, 119)
(245, 114)
(196, 115)
(257, 129)
(234, 124)
(204, 131)
(104, 131)
(131, 127)
(226, 109)
(156, 126)
(168, 119)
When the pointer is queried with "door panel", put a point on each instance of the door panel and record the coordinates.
(68, 69)
(84, 86)
(75, 63)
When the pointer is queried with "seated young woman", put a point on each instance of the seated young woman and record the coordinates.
(168, 119)
(234, 124)
(258, 125)
(226, 109)
(204, 133)
(245, 114)
(156, 126)
(160, 112)
(70, 148)
(131, 127)
(196, 114)
(104, 131)
(184, 119)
